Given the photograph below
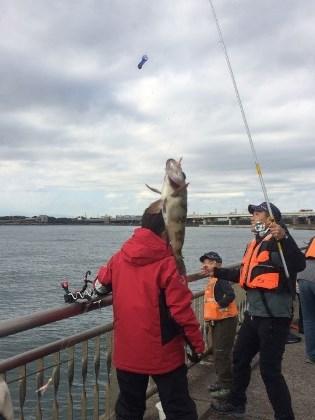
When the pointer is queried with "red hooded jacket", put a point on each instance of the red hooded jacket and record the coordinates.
(151, 304)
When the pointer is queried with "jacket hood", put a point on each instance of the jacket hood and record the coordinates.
(145, 247)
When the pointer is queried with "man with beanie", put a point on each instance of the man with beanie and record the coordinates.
(267, 321)
(153, 320)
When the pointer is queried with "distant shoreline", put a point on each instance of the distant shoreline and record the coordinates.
(295, 227)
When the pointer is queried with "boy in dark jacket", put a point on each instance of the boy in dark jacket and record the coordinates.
(220, 311)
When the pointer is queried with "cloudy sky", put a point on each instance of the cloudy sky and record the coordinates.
(82, 129)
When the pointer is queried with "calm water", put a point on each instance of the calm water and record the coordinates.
(35, 259)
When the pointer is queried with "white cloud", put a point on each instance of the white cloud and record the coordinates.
(82, 129)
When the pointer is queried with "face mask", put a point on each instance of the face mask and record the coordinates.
(260, 229)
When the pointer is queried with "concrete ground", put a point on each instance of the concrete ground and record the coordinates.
(300, 378)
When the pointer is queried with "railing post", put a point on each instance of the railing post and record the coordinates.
(39, 384)
(70, 381)
(97, 359)
(55, 380)
(84, 374)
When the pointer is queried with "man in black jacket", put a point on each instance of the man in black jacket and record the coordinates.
(270, 303)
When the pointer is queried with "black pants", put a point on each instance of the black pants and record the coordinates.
(223, 336)
(268, 337)
(173, 392)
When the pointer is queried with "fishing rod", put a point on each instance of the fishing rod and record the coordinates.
(257, 165)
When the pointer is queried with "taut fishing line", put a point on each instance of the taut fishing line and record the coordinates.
(257, 165)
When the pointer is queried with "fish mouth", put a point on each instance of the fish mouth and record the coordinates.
(175, 173)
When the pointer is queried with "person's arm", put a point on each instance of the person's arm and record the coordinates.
(178, 300)
(229, 274)
(294, 257)
(224, 293)
(103, 280)
(196, 276)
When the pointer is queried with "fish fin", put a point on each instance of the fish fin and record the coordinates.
(153, 189)
(155, 207)
(179, 189)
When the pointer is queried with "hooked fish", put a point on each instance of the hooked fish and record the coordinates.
(173, 203)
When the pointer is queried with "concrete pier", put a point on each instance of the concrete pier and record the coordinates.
(300, 377)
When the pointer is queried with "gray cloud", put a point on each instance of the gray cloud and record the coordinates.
(82, 129)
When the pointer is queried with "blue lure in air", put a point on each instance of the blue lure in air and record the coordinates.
(143, 60)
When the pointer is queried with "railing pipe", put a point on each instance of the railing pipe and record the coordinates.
(37, 319)
(40, 318)
(40, 352)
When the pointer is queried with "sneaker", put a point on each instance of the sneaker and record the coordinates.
(311, 361)
(220, 394)
(228, 408)
(292, 338)
(214, 387)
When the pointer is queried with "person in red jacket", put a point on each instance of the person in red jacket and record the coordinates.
(153, 319)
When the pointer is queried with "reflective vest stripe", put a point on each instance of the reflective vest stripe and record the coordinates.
(310, 251)
(212, 310)
(257, 270)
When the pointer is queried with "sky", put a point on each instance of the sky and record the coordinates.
(82, 129)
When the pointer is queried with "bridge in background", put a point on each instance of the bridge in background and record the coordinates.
(302, 217)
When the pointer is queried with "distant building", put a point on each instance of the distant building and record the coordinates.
(127, 218)
(42, 218)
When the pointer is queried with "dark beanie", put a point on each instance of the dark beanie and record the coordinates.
(153, 221)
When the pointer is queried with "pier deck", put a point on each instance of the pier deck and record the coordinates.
(300, 378)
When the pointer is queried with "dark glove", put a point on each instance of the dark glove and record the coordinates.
(193, 357)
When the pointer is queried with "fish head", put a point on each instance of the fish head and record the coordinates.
(173, 170)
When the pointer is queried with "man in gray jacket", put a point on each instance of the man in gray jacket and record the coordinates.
(270, 303)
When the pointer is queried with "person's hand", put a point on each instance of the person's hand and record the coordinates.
(277, 231)
(207, 271)
(194, 357)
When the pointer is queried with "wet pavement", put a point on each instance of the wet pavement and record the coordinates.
(300, 377)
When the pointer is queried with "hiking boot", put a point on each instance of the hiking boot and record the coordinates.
(292, 338)
(220, 394)
(228, 408)
(214, 387)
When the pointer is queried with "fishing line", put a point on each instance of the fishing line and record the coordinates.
(257, 165)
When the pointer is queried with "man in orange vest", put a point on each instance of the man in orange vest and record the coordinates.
(220, 311)
(307, 298)
(267, 320)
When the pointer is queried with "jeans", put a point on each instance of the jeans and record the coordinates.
(173, 393)
(307, 296)
(268, 337)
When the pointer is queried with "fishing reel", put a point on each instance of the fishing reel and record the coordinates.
(86, 293)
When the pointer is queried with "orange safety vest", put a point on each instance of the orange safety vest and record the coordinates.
(310, 250)
(257, 270)
(212, 310)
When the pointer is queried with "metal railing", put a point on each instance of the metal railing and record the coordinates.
(73, 377)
